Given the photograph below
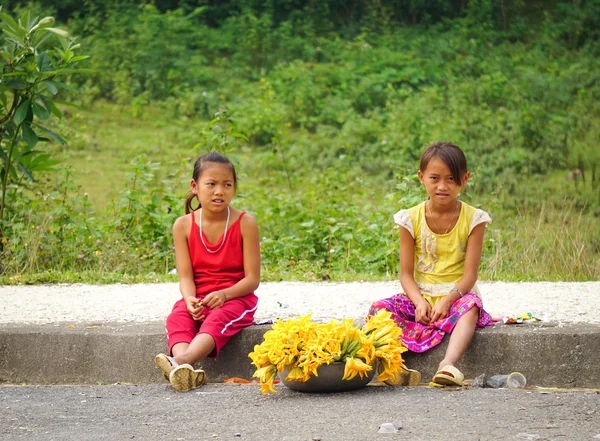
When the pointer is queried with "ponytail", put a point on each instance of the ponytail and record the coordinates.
(188, 203)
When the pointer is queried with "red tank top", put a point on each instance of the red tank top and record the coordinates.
(220, 270)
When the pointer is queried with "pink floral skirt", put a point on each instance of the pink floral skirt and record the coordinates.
(420, 338)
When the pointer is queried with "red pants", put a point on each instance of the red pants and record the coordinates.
(221, 323)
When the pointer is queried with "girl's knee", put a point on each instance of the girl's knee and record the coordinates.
(474, 311)
(471, 315)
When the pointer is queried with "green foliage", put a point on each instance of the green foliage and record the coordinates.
(336, 105)
(35, 57)
(341, 236)
(60, 230)
(220, 134)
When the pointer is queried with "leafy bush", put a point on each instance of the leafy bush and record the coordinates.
(33, 65)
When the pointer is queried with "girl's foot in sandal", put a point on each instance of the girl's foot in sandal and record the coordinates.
(449, 376)
(184, 377)
(166, 364)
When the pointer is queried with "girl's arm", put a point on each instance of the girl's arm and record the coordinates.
(181, 227)
(251, 280)
(407, 277)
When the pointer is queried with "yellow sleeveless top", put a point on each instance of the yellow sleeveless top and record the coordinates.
(440, 258)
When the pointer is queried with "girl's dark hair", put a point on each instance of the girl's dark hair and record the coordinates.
(452, 156)
(213, 157)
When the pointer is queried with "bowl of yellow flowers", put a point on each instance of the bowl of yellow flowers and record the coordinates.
(329, 357)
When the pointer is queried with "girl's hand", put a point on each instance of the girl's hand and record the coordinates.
(195, 307)
(441, 310)
(423, 312)
(215, 299)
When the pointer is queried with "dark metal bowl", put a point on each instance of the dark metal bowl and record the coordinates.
(329, 379)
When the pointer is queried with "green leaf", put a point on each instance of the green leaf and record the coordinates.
(14, 74)
(11, 171)
(25, 171)
(39, 38)
(21, 112)
(29, 135)
(51, 87)
(59, 32)
(25, 155)
(10, 127)
(25, 19)
(79, 58)
(44, 63)
(12, 25)
(41, 112)
(62, 86)
(239, 135)
(50, 106)
(68, 70)
(46, 21)
(69, 103)
(13, 84)
(43, 23)
(211, 122)
(9, 20)
(41, 162)
(51, 134)
(18, 38)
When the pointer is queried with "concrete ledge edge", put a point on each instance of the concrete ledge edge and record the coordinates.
(548, 354)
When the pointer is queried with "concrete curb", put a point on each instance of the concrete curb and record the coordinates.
(547, 354)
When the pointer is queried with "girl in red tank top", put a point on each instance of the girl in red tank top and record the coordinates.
(217, 251)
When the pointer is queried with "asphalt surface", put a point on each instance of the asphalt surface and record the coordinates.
(241, 412)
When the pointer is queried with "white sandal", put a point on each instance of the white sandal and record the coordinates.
(163, 362)
(449, 376)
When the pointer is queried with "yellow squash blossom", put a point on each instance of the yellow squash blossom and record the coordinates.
(354, 367)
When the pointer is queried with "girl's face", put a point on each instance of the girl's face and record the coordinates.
(439, 183)
(215, 187)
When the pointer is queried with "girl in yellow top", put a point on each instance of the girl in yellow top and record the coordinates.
(440, 249)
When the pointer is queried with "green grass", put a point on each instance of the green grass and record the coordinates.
(104, 138)
(89, 277)
(306, 273)
(553, 244)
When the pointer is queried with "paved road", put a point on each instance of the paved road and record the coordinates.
(240, 412)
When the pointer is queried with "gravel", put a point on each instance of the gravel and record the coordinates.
(77, 303)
